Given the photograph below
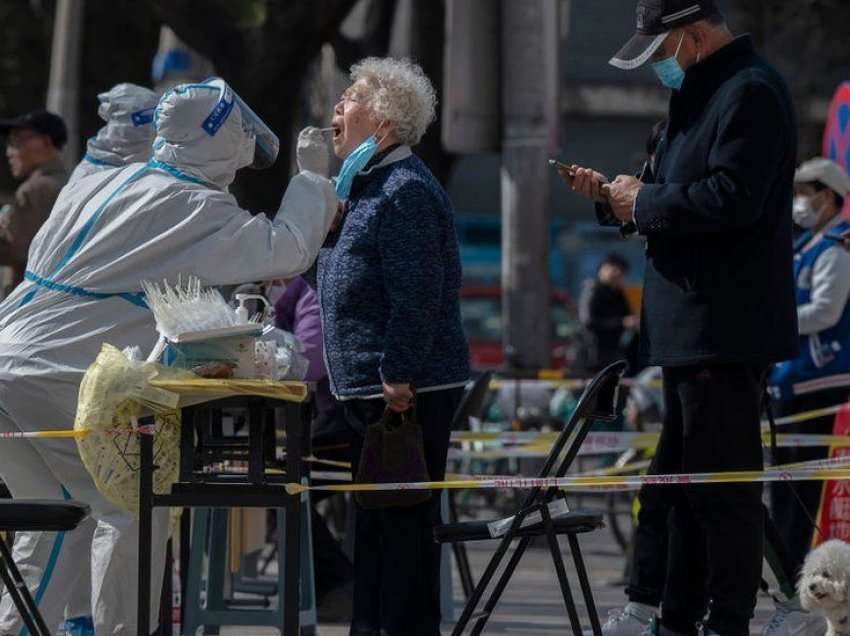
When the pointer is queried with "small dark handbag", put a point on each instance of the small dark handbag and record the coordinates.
(393, 452)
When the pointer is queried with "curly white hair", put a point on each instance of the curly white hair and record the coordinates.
(399, 93)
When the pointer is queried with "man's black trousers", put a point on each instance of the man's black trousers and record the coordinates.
(716, 531)
(648, 572)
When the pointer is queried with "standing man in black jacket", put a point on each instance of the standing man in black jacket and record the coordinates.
(718, 295)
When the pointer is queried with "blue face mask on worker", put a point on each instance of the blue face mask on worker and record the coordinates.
(669, 71)
(353, 164)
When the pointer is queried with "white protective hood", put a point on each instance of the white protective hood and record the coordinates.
(126, 138)
(183, 143)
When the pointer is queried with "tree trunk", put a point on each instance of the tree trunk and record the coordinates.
(265, 64)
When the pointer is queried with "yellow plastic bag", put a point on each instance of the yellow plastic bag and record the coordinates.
(114, 394)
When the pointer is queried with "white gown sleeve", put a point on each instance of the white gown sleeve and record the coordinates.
(234, 246)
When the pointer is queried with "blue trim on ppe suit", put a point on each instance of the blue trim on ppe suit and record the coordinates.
(48, 282)
(79, 626)
(136, 298)
(100, 162)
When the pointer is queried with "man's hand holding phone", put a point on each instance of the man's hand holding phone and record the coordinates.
(584, 181)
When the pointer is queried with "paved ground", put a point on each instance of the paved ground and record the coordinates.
(532, 604)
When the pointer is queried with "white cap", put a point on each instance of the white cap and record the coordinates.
(827, 172)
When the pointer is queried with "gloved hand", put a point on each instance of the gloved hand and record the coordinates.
(312, 151)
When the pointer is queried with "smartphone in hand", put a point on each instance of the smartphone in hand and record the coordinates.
(562, 166)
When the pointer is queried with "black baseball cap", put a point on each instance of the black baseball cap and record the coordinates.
(655, 20)
(42, 121)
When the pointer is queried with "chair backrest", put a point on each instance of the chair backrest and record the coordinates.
(598, 402)
(472, 402)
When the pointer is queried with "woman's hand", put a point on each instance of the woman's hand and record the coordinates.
(398, 397)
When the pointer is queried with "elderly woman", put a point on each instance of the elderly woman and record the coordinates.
(388, 281)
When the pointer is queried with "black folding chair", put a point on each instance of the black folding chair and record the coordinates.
(598, 402)
(471, 405)
(20, 515)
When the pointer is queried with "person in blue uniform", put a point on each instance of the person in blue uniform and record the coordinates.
(820, 375)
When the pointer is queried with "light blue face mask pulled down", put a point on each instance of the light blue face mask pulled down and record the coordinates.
(669, 71)
(354, 163)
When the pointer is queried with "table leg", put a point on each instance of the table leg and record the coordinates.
(145, 531)
(187, 443)
(187, 466)
(185, 543)
(291, 552)
(256, 457)
(166, 601)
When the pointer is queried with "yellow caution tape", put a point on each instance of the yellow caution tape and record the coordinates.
(531, 437)
(834, 462)
(815, 463)
(579, 482)
(806, 415)
(74, 434)
(537, 445)
(533, 444)
(554, 379)
(70, 434)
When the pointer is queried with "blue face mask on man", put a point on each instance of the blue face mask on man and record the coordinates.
(353, 164)
(669, 71)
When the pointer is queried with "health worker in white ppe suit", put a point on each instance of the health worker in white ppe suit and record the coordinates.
(126, 138)
(151, 221)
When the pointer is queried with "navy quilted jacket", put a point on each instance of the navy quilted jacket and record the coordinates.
(389, 282)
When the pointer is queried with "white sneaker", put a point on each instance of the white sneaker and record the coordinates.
(632, 620)
(790, 619)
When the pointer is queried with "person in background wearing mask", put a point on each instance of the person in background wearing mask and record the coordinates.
(718, 305)
(33, 145)
(389, 283)
(605, 313)
(127, 136)
(818, 377)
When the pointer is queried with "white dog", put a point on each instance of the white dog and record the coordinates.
(824, 585)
